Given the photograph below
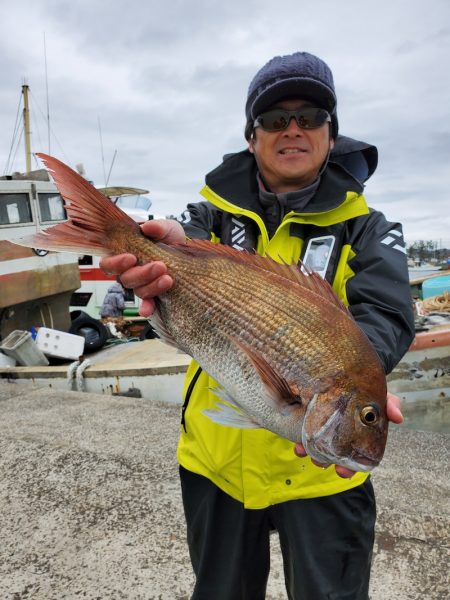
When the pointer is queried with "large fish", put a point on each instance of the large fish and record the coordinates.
(287, 355)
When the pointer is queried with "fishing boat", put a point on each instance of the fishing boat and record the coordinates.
(36, 285)
(423, 375)
(429, 284)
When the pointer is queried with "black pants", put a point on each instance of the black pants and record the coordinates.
(326, 543)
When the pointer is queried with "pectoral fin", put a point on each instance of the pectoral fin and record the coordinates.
(282, 394)
(226, 415)
(223, 394)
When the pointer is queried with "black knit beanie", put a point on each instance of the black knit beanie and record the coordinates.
(301, 75)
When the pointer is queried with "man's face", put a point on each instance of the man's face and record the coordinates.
(289, 160)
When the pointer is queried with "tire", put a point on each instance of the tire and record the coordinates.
(79, 314)
(94, 332)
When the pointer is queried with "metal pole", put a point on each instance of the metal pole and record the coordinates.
(26, 124)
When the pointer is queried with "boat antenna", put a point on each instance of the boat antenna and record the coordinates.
(110, 168)
(48, 102)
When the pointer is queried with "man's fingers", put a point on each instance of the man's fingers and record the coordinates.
(116, 265)
(344, 472)
(161, 230)
(147, 307)
(393, 409)
(139, 276)
(155, 288)
(300, 451)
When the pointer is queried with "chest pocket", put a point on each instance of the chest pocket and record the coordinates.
(321, 248)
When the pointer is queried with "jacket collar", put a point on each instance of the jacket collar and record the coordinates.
(235, 181)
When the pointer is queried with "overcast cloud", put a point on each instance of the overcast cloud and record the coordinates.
(166, 83)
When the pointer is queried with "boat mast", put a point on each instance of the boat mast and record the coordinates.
(26, 124)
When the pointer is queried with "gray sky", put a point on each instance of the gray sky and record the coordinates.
(167, 83)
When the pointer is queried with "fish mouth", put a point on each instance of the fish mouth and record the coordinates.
(358, 462)
(322, 453)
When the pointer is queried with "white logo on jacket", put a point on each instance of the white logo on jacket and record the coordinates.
(237, 234)
(394, 239)
(185, 217)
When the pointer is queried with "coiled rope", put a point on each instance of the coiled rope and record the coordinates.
(440, 303)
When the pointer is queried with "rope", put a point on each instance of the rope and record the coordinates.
(71, 371)
(81, 387)
(75, 375)
(439, 303)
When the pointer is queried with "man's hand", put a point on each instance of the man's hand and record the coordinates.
(151, 279)
(394, 414)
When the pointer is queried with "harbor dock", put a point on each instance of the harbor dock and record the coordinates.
(91, 506)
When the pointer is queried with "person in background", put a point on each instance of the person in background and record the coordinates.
(297, 187)
(114, 302)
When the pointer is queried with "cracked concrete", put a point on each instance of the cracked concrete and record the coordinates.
(90, 504)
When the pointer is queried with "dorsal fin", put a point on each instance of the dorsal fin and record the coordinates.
(291, 274)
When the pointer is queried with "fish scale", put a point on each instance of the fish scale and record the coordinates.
(278, 341)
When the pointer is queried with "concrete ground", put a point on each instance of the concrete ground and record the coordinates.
(90, 504)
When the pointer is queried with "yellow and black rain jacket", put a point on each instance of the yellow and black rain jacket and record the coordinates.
(367, 269)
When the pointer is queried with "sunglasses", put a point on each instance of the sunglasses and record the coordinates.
(306, 117)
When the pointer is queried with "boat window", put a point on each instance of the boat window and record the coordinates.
(129, 295)
(51, 207)
(80, 298)
(15, 208)
(86, 259)
(131, 202)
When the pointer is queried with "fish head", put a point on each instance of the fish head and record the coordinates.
(346, 426)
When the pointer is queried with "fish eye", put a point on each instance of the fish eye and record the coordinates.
(369, 415)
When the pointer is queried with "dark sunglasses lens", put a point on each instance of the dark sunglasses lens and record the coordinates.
(278, 119)
(274, 120)
(311, 118)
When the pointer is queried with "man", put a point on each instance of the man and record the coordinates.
(296, 193)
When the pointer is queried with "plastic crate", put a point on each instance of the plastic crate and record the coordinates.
(7, 361)
(21, 346)
(59, 344)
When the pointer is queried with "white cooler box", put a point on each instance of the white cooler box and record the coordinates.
(59, 344)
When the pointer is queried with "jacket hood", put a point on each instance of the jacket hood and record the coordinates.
(115, 287)
(359, 159)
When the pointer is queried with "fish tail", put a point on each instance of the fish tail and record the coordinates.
(90, 215)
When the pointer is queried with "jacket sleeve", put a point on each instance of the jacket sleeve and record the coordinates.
(200, 220)
(379, 293)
